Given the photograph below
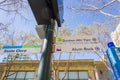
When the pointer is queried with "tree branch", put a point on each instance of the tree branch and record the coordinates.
(14, 10)
(108, 14)
(94, 8)
(109, 3)
(3, 1)
(3, 27)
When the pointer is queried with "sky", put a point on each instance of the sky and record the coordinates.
(72, 20)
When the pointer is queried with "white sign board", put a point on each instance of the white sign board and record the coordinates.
(77, 48)
(77, 40)
(20, 49)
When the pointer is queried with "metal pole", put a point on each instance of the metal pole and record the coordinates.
(45, 62)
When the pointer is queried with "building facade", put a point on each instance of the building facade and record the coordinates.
(61, 70)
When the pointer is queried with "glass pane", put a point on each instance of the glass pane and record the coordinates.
(73, 75)
(30, 74)
(62, 74)
(83, 75)
(21, 75)
(19, 79)
(29, 79)
(10, 79)
(11, 75)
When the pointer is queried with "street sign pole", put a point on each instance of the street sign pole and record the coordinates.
(45, 62)
(44, 11)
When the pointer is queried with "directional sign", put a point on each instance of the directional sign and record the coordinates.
(77, 40)
(77, 48)
(45, 10)
(20, 49)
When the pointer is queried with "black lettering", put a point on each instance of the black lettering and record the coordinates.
(9, 50)
(79, 40)
(18, 50)
(68, 40)
(88, 48)
(77, 49)
(87, 40)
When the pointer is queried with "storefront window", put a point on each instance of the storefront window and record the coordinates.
(83, 75)
(74, 75)
(11, 75)
(20, 76)
(30, 75)
(63, 75)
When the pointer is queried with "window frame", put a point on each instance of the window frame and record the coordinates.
(16, 73)
(77, 71)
